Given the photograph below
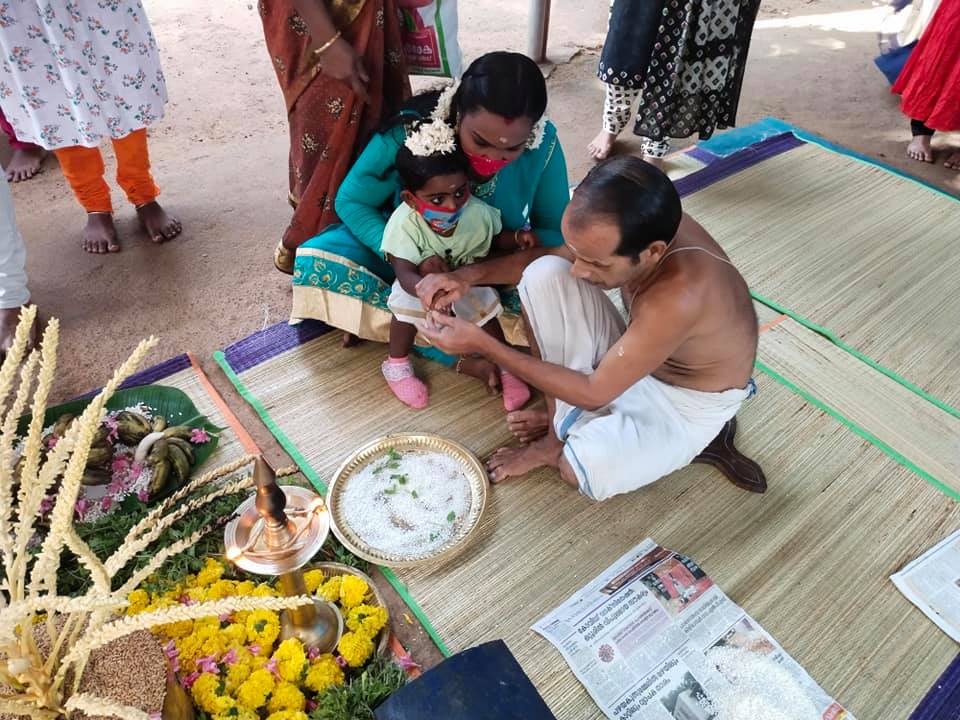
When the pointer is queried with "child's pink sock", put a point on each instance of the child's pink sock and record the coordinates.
(408, 388)
(515, 391)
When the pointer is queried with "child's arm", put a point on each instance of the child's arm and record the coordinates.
(407, 274)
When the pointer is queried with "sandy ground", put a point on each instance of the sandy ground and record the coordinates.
(220, 157)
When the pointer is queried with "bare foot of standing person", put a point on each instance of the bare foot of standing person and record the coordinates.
(100, 235)
(953, 161)
(919, 149)
(9, 319)
(157, 223)
(25, 163)
(602, 145)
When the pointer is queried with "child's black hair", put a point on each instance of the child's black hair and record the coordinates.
(416, 170)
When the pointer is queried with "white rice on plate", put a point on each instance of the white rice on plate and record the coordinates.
(407, 504)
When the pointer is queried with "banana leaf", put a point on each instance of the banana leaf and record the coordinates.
(174, 404)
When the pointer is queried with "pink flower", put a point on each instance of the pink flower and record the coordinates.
(106, 502)
(225, 617)
(313, 653)
(189, 680)
(46, 505)
(208, 664)
(111, 422)
(198, 436)
(230, 658)
(173, 655)
(82, 508)
(311, 706)
(52, 442)
(136, 469)
(341, 662)
(155, 716)
(143, 495)
(120, 464)
(272, 667)
(407, 663)
(254, 648)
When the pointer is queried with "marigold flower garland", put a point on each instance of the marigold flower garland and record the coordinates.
(234, 666)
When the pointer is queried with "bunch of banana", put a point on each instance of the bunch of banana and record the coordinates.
(166, 450)
(97, 471)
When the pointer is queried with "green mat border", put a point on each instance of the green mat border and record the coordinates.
(321, 486)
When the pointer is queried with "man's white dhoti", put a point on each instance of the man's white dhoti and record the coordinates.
(652, 429)
(13, 254)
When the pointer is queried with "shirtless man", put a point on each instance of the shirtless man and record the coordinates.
(626, 403)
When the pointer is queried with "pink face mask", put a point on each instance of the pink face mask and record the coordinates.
(484, 166)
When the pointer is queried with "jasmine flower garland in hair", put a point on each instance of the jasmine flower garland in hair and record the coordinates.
(536, 133)
(435, 136)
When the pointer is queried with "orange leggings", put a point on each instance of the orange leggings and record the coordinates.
(83, 168)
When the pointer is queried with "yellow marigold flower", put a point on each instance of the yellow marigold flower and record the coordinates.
(286, 696)
(246, 587)
(212, 571)
(138, 599)
(330, 590)
(263, 627)
(237, 713)
(291, 659)
(324, 673)
(221, 589)
(367, 619)
(355, 648)
(353, 590)
(206, 694)
(234, 634)
(264, 590)
(237, 674)
(254, 691)
(313, 578)
(288, 715)
(178, 629)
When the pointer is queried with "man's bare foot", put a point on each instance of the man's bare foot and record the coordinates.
(483, 370)
(528, 425)
(602, 145)
(25, 163)
(349, 340)
(919, 149)
(158, 225)
(100, 236)
(9, 319)
(953, 161)
(508, 462)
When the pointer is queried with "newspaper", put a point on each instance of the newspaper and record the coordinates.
(637, 638)
(932, 583)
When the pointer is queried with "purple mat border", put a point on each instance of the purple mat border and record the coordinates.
(942, 702)
(149, 375)
(250, 351)
(260, 347)
(704, 156)
(721, 168)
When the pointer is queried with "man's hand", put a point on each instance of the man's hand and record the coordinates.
(441, 290)
(453, 335)
(433, 265)
(341, 62)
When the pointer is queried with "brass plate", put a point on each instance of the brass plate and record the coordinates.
(473, 469)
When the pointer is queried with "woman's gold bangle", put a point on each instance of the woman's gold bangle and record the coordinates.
(326, 46)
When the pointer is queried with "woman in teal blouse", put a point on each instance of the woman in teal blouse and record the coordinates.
(341, 276)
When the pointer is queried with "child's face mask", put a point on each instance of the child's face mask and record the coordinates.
(439, 218)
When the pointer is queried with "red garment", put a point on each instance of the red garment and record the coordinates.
(15, 144)
(930, 81)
